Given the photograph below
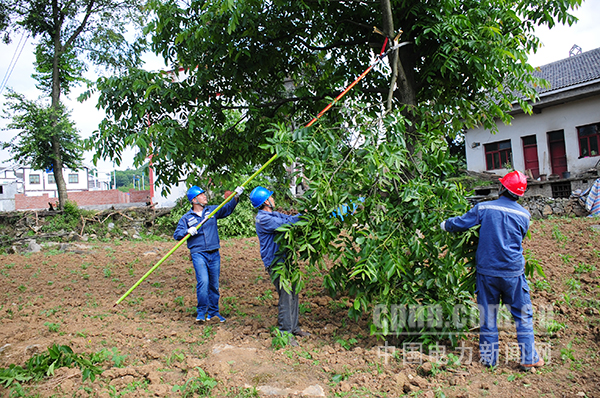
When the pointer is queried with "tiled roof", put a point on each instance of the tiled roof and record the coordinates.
(570, 71)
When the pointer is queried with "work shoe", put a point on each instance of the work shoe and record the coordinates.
(529, 366)
(220, 317)
(301, 333)
(292, 342)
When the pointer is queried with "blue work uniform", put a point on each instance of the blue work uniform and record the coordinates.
(204, 250)
(500, 273)
(288, 307)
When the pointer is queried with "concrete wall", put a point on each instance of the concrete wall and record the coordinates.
(565, 117)
(84, 198)
(7, 197)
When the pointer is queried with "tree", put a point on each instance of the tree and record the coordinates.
(35, 139)
(67, 32)
(252, 71)
(238, 67)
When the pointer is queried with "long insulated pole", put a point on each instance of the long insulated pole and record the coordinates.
(382, 55)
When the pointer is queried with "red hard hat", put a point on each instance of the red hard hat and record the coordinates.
(515, 182)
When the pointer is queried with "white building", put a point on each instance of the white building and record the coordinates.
(560, 138)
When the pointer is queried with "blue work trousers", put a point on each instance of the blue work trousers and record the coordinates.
(514, 293)
(208, 268)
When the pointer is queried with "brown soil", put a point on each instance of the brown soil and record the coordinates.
(154, 327)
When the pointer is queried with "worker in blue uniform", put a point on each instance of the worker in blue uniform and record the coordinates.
(267, 222)
(501, 268)
(204, 249)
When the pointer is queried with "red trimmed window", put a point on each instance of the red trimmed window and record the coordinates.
(589, 140)
(498, 155)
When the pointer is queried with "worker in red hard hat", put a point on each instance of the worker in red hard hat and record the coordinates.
(501, 268)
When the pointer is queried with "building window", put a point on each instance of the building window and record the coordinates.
(73, 178)
(1, 189)
(51, 179)
(34, 178)
(589, 140)
(498, 155)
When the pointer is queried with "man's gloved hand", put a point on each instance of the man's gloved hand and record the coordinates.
(443, 225)
(192, 231)
(238, 191)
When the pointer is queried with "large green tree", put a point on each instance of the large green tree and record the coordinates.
(247, 75)
(33, 144)
(238, 66)
(70, 35)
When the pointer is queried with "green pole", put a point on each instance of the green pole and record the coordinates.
(162, 260)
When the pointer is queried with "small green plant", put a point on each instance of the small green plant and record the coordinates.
(347, 344)
(542, 284)
(280, 339)
(304, 308)
(53, 327)
(179, 301)
(558, 235)
(583, 268)
(107, 272)
(267, 296)
(44, 364)
(567, 352)
(553, 327)
(573, 284)
(198, 386)
(22, 288)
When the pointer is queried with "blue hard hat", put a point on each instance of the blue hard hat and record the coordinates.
(193, 192)
(259, 195)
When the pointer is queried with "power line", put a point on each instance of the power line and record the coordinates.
(13, 61)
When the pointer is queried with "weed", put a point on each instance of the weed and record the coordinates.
(280, 339)
(241, 392)
(304, 308)
(208, 332)
(573, 284)
(199, 386)
(567, 352)
(107, 272)
(267, 296)
(542, 284)
(22, 288)
(558, 235)
(583, 268)
(42, 365)
(179, 301)
(566, 258)
(53, 327)
(347, 344)
(553, 327)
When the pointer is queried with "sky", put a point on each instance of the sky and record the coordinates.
(556, 45)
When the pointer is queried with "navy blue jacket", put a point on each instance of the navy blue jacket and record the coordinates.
(504, 224)
(207, 238)
(266, 224)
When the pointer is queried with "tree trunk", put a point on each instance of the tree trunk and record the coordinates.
(56, 148)
(402, 84)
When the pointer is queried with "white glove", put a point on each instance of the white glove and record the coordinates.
(443, 225)
(192, 231)
(238, 191)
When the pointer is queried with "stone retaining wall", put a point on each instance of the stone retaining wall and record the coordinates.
(542, 207)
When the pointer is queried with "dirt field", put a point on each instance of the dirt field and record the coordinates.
(66, 297)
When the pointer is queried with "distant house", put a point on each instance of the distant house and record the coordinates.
(561, 139)
(11, 183)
